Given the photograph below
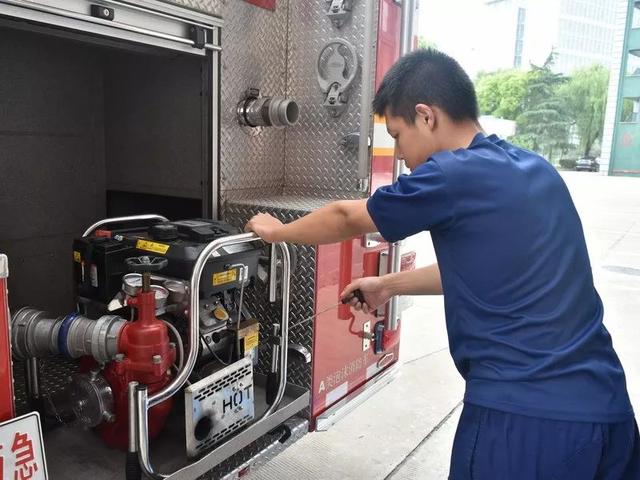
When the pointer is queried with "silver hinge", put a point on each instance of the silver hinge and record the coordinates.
(373, 239)
(339, 11)
(4, 266)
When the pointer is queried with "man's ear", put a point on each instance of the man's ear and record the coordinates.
(425, 115)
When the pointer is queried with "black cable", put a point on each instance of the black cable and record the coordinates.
(211, 351)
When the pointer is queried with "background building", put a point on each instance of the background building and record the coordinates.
(579, 31)
(621, 135)
(491, 35)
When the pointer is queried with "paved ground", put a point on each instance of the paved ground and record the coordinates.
(405, 432)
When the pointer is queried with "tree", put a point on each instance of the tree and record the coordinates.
(628, 113)
(585, 95)
(501, 93)
(424, 43)
(543, 124)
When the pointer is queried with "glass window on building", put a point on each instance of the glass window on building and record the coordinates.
(633, 62)
(517, 58)
(630, 110)
(636, 15)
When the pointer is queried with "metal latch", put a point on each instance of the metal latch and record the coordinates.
(367, 336)
(339, 11)
(198, 35)
(372, 239)
(378, 339)
(336, 69)
(100, 11)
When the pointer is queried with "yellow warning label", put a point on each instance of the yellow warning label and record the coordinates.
(250, 342)
(225, 277)
(154, 247)
(77, 257)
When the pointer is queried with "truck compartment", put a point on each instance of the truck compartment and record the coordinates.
(90, 130)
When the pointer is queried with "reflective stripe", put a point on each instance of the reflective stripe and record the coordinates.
(383, 143)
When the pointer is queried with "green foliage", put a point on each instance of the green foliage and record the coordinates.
(585, 95)
(548, 107)
(627, 110)
(501, 94)
(424, 43)
(544, 123)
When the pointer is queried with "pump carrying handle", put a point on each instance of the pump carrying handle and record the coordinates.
(131, 218)
(139, 397)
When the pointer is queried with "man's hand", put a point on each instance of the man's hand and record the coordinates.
(335, 222)
(265, 226)
(374, 291)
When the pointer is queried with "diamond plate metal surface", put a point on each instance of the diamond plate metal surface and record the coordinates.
(314, 159)
(259, 452)
(278, 54)
(302, 281)
(292, 171)
(329, 195)
(214, 7)
(54, 374)
(298, 203)
(254, 55)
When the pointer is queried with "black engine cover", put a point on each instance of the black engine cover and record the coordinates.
(99, 262)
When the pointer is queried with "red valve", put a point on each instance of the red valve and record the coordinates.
(146, 356)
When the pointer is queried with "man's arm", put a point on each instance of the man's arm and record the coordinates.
(421, 281)
(378, 290)
(332, 223)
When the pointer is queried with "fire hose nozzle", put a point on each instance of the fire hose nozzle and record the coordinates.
(257, 111)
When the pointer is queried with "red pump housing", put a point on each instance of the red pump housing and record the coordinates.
(148, 357)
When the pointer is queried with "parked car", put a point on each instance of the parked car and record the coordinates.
(587, 164)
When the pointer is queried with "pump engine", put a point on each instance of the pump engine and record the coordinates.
(133, 294)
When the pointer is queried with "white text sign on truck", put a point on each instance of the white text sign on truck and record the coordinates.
(21, 450)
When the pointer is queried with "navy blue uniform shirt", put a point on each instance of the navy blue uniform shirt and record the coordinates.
(524, 319)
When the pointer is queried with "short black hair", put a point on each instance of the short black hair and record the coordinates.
(431, 77)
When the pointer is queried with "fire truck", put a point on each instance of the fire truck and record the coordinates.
(143, 334)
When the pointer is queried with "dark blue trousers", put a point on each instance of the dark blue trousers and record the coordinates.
(494, 445)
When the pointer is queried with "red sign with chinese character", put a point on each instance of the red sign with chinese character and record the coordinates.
(21, 451)
(25, 466)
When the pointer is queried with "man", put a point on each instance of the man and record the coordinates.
(545, 396)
